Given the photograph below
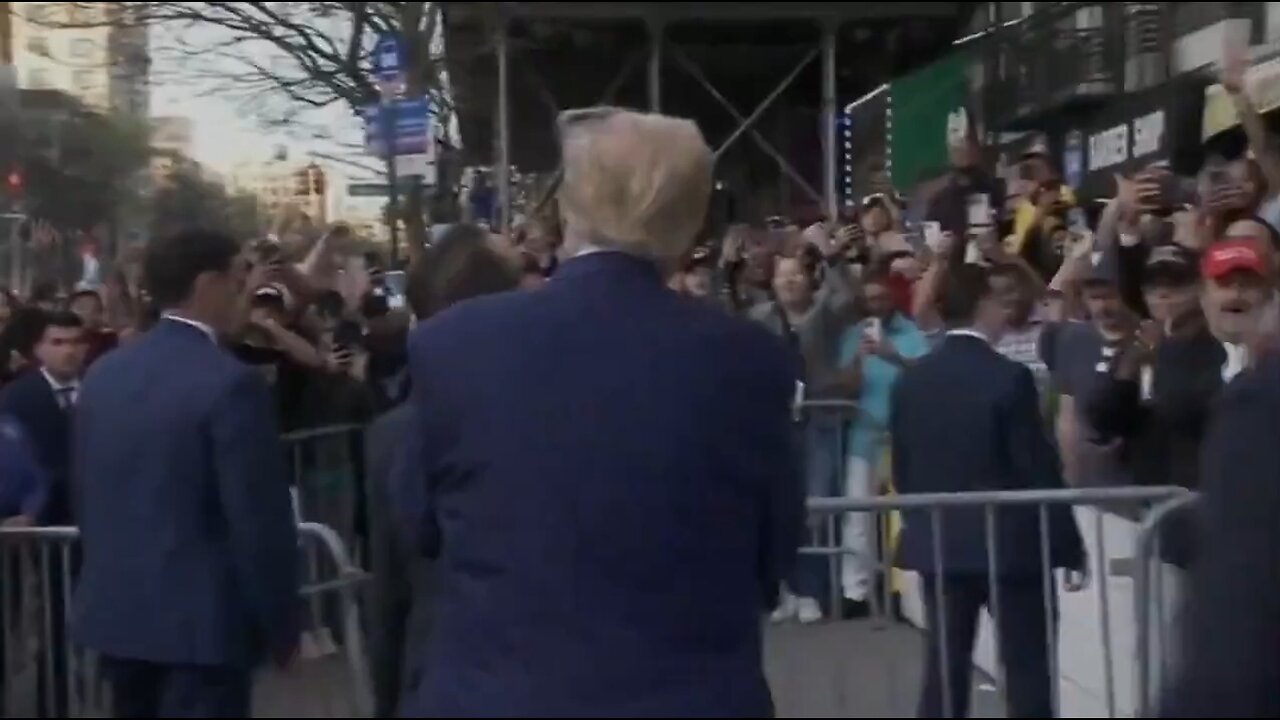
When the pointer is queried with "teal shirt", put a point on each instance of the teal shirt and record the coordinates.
(878, 377)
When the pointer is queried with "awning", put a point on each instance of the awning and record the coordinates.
(1262, 81)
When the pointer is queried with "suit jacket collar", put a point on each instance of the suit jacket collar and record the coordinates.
(608, 263)
(967, 341)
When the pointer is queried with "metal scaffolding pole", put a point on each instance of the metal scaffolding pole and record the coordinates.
(746, 123)
(504, 133)
(829, 154)
(655, 66)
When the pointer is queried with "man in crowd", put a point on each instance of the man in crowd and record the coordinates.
(458, 266)
(190, 550)
(98, 340)
(877, 350)
(43, 399)
(1079, 354)
(939, 426)
(614, 504)
(1231, 665)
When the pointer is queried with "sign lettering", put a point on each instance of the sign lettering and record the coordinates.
(1109, 147)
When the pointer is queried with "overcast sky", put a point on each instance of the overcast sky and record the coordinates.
(226, 130)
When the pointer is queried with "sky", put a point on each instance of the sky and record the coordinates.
(225, 130)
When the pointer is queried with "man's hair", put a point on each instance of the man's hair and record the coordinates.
(963, 290)
(45, 319)
(172, 263)
(635, 182)
(459, 266)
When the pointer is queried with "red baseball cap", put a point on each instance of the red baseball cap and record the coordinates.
(1228, 256)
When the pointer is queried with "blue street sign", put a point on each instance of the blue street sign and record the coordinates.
(409, 120)
(386, 59)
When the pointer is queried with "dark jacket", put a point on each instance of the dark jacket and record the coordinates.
(965, 418)
(605, 470)
(399, 620)
(1231, 644)
(190, 547)
(30, 401)
(1162, 435)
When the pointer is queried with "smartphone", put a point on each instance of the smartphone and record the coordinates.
(979, 211)
(932, 231)
(874, 330)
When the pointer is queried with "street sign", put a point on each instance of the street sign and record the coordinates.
(408, 119)
(386, 59)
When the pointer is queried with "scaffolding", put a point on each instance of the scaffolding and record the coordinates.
(662, 50)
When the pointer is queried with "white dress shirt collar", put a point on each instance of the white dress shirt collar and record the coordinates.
(968, 332)
(202, 327)
(58, 385)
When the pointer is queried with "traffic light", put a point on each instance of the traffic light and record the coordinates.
(13, 182)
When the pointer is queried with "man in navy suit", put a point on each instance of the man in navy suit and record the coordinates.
(190, 550)
(965, 418)
(42, 400)
(603, 467)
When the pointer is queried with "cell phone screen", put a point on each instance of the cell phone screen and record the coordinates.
(979, 210)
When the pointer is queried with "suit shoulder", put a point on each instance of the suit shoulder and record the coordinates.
(1262, 380)
(469, 314)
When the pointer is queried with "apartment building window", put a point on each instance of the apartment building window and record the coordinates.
(39, 12)
(83, 80)
(38, 45)
(38, 79)
(79, 13)
(82, 48)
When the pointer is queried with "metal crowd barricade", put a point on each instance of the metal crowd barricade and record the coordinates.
(840, 417)
(42, 673)
(1156, 597)
(991, 511)
(327, 467)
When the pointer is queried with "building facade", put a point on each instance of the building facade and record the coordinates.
(91, 51)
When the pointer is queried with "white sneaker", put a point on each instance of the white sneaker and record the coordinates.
(808, 611)
(786, 608)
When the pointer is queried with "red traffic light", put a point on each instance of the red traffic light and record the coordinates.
(14, 180)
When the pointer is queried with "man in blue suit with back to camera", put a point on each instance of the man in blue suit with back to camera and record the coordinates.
(190, 549)
(603, 467)
(963, 419)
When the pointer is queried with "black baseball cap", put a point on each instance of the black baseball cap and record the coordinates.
(1171, 264)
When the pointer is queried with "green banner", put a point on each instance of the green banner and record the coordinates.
(919, 104)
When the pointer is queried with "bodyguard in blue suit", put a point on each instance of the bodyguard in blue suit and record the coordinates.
(190, 550)
(604, 468)
(24, 487)
(964, 419)
(42, 400)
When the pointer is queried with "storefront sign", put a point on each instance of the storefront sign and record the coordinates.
(1262, 82)
(1137, 129)
(1133, 140)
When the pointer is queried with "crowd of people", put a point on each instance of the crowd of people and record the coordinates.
(586, 476)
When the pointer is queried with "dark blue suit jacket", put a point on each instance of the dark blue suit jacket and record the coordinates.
(1231, 632)
(29, 399)
(966, 418)
(606, 472)
(190, 548)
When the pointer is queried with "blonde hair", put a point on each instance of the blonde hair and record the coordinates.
(635, 182)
